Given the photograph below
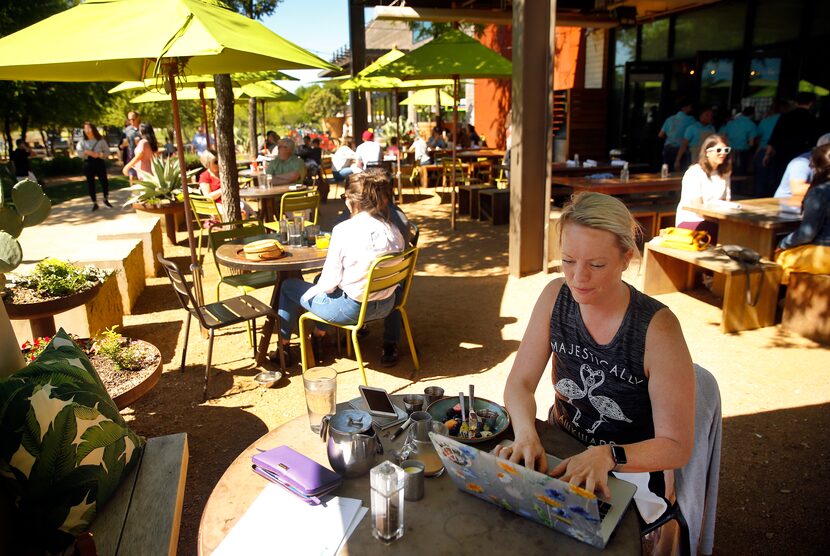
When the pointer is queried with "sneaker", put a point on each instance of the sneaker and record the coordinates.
(107, 202)
(94, 207)
(363, 332)
(389, 358)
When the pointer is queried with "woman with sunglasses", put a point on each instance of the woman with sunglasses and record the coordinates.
(368, 234)
(704, 182)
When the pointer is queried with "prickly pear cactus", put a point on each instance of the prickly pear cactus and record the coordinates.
(29, 207)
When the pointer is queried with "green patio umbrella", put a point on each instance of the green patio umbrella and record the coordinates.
(202, 82)
(426, 97)
(178, 37)
(365, 81)
(453, 55)
(263, 90)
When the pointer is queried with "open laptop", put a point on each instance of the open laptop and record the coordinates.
(541, 498)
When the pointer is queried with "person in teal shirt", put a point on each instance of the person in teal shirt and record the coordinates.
(693, 137)
(741, 132)
(763, 174)
(672, 131)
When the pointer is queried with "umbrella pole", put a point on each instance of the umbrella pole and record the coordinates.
(177, 127)
(398, 135)
(454, 147)
(262, 105)
(204, 113)
(213, 117)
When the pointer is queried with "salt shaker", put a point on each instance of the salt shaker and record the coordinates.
(664, 171)
(624, 173)
(576, 160)
(387, 481)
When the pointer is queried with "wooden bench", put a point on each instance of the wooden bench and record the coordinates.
(807, 306)
(669, 270)
(494, 206)
(144, 514)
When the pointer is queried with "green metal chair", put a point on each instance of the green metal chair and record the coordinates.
(204, 210)
(386, 272)
(297, 201)
(247, 282)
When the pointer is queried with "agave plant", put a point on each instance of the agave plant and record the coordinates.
(164, 184)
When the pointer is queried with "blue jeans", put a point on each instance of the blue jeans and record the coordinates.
(393, 323)
(340, 175)
(335, 307)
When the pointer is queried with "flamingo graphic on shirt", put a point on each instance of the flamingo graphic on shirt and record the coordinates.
(591, 380)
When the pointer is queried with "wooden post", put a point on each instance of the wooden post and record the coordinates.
(177, 128)
(531, 153)
(454, 145)
(357, 42)
(204, 113)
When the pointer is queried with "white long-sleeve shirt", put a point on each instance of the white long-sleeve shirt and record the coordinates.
(354, 246)
(698, 189)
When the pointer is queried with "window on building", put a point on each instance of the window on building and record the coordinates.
(655, 40)
(719, 27)
(716, 82)
(777, 21)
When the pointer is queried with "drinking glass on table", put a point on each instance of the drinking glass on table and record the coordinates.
(320, 384)
(311, 233)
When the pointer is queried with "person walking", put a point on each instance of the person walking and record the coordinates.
(132, 138)
(20, 159)
(796, 132)
(145, 151)
(741, 132)
(95, 150)
(693, 137)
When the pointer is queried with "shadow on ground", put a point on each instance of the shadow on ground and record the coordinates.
(782, 485)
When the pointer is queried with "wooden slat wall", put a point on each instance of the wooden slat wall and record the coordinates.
(587, 114)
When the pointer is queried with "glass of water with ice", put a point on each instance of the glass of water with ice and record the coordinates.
(320, 385)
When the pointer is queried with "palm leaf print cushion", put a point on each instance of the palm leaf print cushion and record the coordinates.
(64, 448)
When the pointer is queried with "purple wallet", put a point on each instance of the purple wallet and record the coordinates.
(296, 473)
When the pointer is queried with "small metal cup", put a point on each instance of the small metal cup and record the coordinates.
(413, 480)
(413, 402)
(432, 394)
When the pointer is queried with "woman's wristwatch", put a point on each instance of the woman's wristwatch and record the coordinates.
(619, 457)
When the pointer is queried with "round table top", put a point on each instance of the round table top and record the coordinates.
(262, 192)
(231, 255)
(461, 522)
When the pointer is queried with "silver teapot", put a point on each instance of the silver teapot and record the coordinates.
(352, 443)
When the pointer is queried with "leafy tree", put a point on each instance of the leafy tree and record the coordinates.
(324, 102)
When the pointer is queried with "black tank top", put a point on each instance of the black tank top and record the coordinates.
(601, 390)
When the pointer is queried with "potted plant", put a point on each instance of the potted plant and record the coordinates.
(29, 206)
(159, 189)
(52, 287)
(128, 367)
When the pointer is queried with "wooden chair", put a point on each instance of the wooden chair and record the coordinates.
(294, 202)
(386, 272)
(204, 210)
(327, 174)
(415, 177)
(249, 281)
(212, 316)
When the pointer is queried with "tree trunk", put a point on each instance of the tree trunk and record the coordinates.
(225, 148)
(252, 148)
(46, 144)
(7, 132)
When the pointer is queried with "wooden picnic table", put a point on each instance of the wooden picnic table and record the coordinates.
(754, 223)
(637, 183)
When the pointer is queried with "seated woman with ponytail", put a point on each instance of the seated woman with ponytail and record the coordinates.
(355, 244)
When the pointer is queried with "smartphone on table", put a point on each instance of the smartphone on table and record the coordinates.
(378, 401)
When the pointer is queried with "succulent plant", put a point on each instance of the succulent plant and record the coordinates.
(29, 207)
(163, 184)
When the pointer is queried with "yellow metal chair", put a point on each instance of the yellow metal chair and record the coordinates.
(386, 272)
(415, 177)
(297, 201)
(204, 210)
(249, 281)
(462, 177)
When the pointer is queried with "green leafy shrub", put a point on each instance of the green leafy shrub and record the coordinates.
(56, 278)
(164, 184)
(58, 166)
(110, 344)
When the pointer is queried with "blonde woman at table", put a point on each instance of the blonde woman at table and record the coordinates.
(708, 180)
(355, 244)
(808, 248)
(622, 373)
(145, 151)
(211, 186)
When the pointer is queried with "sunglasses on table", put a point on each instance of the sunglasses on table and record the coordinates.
(719, 150)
